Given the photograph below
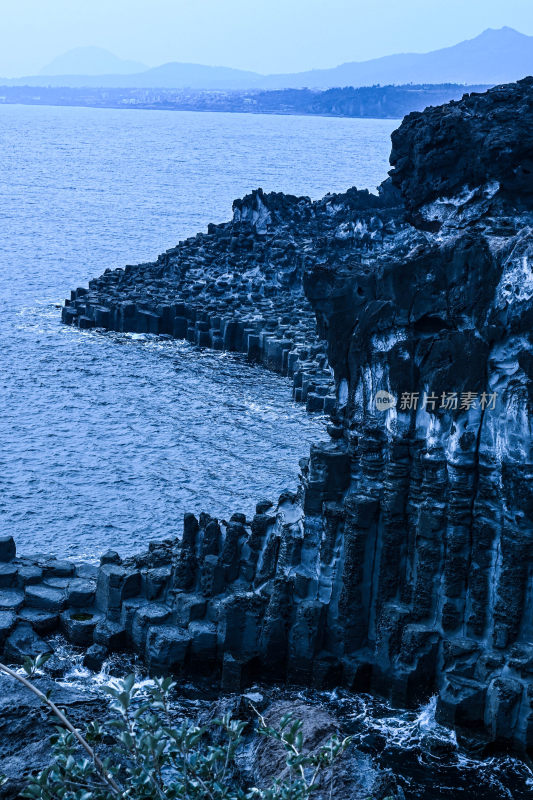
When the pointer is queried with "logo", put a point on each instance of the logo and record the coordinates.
(384, 400)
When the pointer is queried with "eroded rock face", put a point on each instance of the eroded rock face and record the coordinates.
(465, 144)
(26, 727)
(438, 520)
(404, 565)
(354, 777)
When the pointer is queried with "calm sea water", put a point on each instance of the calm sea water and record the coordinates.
(106, 440)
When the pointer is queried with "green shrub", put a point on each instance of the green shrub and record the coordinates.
(149, 757)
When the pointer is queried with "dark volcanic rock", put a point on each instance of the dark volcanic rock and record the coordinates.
(467, 144)
(437, 522)
(354, 777)
(95, 656)
(26, 727)
(403, 565)
(24, 642)
(8, 550)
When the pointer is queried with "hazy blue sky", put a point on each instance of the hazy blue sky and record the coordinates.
(262, 35)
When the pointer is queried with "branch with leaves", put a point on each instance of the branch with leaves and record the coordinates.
(150, 757)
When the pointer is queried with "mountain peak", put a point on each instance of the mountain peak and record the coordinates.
(91, 61)
(500, 33)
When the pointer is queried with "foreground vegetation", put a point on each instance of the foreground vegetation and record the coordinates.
(145, 755)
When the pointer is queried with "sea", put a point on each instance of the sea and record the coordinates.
(106, 440)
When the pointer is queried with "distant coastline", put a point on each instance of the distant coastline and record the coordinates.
(375, 102)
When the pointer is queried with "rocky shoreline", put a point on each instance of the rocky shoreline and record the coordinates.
(26, 730)
(382, 102)
(403, 565)
(239, 288)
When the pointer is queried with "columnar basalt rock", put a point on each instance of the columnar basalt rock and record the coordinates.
(435, 594)
(237, 287)
(404, 564)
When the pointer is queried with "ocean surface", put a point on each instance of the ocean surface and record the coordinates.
(107, 439)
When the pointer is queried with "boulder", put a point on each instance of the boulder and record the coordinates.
(42, 621)
(7, 623)
(28, 574)
(11, 600)
(8, 550)
(111, 635)
(167, 647)
(110, 557)
(45, 598)
(94, 657)
(203, 636)
(78, 626)
(22, 643)
(8, 575)
(56, 568)
(147, 616)
(116, 584)
(156, 581)
(188, 608)
(87, 571)
(80, 593)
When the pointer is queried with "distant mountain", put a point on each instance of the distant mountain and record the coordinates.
(91, 61)
(495, 56)
(168, 76)
(195, 76)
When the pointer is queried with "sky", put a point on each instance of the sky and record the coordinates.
(261, 35)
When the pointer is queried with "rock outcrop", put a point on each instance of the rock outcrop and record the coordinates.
(437, 523)
(404, 565)
(26, 728)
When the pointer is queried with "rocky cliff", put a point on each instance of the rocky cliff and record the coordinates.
(404, 565)
(437, 522)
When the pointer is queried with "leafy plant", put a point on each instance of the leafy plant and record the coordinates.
(150, 757)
